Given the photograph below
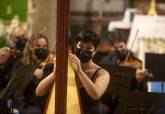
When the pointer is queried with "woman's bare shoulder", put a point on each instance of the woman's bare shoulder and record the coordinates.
(102, 71)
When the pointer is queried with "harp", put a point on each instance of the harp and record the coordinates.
(64, 96)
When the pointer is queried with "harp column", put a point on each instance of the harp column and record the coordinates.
(62, 56)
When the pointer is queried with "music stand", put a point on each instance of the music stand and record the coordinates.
(121, 79)
(142, 103)
(156, 63)
(18, 82)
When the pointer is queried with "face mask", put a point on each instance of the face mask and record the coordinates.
(41, 53)
(122, 55)
(84, 55)
(20, 44)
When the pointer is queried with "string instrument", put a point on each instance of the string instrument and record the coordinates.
(15, 53)
(48, 65)
(49, 62)
(14, 56)
(134, 62)
(73, 103)
(131, 61)
(64, 96)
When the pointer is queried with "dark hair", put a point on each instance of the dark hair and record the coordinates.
(118, 36)
(108, 39)
(88, 36)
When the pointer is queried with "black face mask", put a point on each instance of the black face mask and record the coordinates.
(20, 44)
(41, 53)
(121, 55)
(84, 55)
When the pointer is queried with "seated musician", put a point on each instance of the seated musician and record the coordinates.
(16, 45)
(4, 55)
(7, 62)
(93, 80)
(35, 53)
(115, 52)
(139, 83)
(8, 59)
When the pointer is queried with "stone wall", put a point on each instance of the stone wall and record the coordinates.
(42, 18)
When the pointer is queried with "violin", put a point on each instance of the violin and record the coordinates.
(130, 60)
(49, 61)
(47, 66)
(134, 62)
(51, 58)
(15, 53)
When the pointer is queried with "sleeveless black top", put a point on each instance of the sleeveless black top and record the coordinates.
(89, 105)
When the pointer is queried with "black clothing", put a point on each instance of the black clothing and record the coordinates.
(6, 73)
(89, 105)
(3, 107)
(30, 101)
(112, 58)
(105, 58)
(139, 86)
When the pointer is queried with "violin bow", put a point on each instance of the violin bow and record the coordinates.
(46, 61)
(136, 34)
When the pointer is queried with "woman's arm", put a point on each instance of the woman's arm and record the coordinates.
(94, 89)
(45, 85)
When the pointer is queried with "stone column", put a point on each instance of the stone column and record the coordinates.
(42, 18)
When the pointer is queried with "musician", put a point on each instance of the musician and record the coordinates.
(16, 45)
(35, 53)
(93, 80)
(115, 53)
(4, 55)
(120, 45)
(8, 58)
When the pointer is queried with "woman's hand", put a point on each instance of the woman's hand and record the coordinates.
(4, 54)
(38, 73)
(94, 89)
(75, 62)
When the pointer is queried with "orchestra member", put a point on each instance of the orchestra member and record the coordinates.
(93, 80)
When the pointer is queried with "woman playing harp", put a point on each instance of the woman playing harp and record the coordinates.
(93, 80)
